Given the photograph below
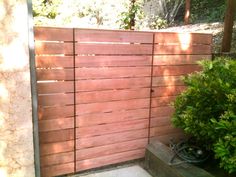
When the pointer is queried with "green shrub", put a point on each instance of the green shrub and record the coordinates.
(207, 109)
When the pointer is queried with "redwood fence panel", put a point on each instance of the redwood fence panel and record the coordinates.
(55, 82)
(102, 94)
(112, 59)
(175, 55)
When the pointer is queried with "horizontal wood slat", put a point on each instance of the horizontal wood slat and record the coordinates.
(115, 61)
(184, 49)
(162, 111)
(162, 101)
(110, 84)
(56, 124)
(56, 136)
(106, 118)
(57, 159)
(175, 70)
(118, 72)
(167, 91)
(110, 159)
(167, 81)
(53, 48)
(56, 99)
(111, 95)
(113, 49)
(55, 112)
(54, 61)
(109, 138)
(57, 170)
(53, 34)
(100, 151)
(183, 38)
(160, 121)
(112, 106)
(108, 36)
(55, 74)
(55, 87)
(161, 60)
(98, 130)
(55, 148)
(163, 130)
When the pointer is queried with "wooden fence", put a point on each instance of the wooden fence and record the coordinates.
(102, 94)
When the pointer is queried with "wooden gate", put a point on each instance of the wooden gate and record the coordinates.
(94, 93)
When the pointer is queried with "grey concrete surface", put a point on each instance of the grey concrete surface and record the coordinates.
(131, 171)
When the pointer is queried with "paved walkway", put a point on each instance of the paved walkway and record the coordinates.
(131, 171)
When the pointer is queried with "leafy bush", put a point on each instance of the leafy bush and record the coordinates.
(207, 109)
(207, 10)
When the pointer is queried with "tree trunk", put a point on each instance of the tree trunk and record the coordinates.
(228, 25)
(187, 12)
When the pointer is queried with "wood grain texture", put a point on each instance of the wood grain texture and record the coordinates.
(56, 136)
(57, 159)
(56, 170)
(96, 141)
(45, 113)
(56, 124)
(164, 91)
(110, 159)
(115, 83)
(162, 60)
(106, 118)
(55, 74)
(100, 151)
(162, 111)
(111, 95)
(53, 48)
(112, 61)
(44, 87)
(113, 49)
(175, 70)
(56, 99)
(98, 130)
(112, 106)
(167, 81)
(162, 101)
(117, 72)
(175, 49)
(182, 38)
(112, 36)
(55, 148)
(54, 61)
(53, 34)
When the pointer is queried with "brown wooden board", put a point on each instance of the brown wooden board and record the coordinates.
(110, 159)
(53, 34)
(112, 49)
(98, 130)
(111, 95)
(100, 151)
(183, 38)
(108, 73)
(113, 83)
(54, 61)
(115, 61)
(112, 36)
(55, 87)
(96, 141)
(53, 48)
(111, 117)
